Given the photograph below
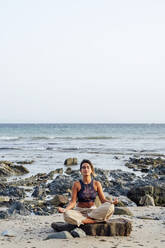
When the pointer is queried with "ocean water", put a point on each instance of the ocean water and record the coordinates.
(50, 144)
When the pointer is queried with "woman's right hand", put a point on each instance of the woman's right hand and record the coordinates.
(115, 201)
(61, 210)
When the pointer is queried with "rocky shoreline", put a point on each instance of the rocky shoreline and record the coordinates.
(43, 193)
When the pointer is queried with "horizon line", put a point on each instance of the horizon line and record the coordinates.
(82, 123)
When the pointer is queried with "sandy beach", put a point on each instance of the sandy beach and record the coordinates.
(30, 231)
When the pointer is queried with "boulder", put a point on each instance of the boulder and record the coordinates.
(113, 227)
(70, 161)
(59, 200)
(140, 195)
(78, 233)
(145, 164)
(39, 192)
(4, 199)
(68, 171)
(18, 208)
(12, 191)
(7, 168)
(60, 185)
(122, 211)
(51, 174)
(60, 235)
(147, 200)
(62, 226)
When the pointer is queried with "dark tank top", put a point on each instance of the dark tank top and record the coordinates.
(87, 192)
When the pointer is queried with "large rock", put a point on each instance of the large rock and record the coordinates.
(122, 211)
(139, 194)
(60, 185)
(114, 227)
(7, 168)
(147, 200)
(70, 161)
(18, 208)
(4, 199)
(160, 169)
(62, 226)
(59, 200)
(12, 191)
(145, 164)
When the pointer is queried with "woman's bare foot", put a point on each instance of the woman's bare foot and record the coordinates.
(88, 221)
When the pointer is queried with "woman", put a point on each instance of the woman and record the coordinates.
(85, 191)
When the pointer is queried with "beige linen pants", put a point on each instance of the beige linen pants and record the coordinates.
(77, 215)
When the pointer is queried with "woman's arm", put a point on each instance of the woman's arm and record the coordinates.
(72, 203)
(102, 196)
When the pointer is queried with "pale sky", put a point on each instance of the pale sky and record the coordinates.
(82, 61)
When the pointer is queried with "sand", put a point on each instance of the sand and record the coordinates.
(30, 232)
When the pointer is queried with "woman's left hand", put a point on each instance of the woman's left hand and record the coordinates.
(61, 210)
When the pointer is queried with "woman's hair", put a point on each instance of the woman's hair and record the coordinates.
(91, 165)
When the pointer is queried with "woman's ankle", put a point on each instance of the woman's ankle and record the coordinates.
(88, 221)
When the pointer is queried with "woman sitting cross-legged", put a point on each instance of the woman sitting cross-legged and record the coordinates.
(85, 191)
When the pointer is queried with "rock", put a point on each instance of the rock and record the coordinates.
(147, 200)
(39, 179)
(70, 161)
(60, 235)
(122, 211)
(59, 200)
(159, 195)
(7, 168)
(145, 164)
(4, 199)
(78, 233)
(3, 215)
(62, 226)
(12, 191)
(145, 170)
(39, 192)
(68, 171)
(25, 162)
(131, 166)
(124, 201)
(155, 191)
(113, 227)
(18, 208)
(120, 182)
(136, 193)
(60, 185)
(56, 171)
(160, 169)
(120, 204)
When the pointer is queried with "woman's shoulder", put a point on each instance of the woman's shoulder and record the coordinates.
(76, 184)
(97, 183)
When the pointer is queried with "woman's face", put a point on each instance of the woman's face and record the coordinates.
(86, 169)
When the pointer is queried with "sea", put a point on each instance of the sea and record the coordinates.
(108, 146)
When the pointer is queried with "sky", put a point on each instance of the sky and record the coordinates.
(82, 61)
